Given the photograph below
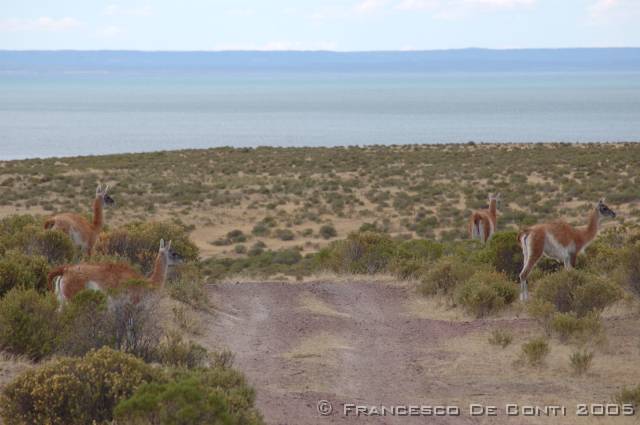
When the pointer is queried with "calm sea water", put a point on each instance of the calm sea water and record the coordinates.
(82, 113)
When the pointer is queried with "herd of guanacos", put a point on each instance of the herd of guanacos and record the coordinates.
(557, 239)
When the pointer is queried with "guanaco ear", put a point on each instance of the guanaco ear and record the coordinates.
(106, 189)
(161, 244)
(601, 201)
(99, 189)
(169, 245)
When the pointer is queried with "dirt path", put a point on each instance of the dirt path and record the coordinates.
(341, 342)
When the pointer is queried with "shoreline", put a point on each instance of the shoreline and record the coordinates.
(468, 144)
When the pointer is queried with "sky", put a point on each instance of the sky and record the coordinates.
(341, 25)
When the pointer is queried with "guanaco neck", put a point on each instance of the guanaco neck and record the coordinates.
(492, 208)
(98, 217)
(160, 268)
(590, 232)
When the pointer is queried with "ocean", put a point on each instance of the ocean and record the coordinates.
(86, 103)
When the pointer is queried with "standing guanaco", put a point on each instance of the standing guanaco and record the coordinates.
(558, 240)
(483, 223)
(67, 281)
(83, 233)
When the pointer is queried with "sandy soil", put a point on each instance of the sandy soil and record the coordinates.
(368, 343)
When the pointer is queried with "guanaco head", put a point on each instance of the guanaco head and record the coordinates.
(104, 196)
(495, 197)
(604, 210)
(170, 256)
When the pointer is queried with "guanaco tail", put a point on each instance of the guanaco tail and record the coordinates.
(67, 281)
(83, 233)
(558, 240)
(483, 223)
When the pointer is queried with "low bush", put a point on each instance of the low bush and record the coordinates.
(26, 234)
(267, 263)
(85, 324)
(360, 253)
(445, 275)
(28, 323)
(284, 234)
(138, 243)
(136, 328)
(568, 326)
(190, 290)
(629, 396)
(175, 351)
(500, 337)
(328, 231)
(630, 268)
(543, 312)
(580, 362)
(256, 249)
(74, 390)
(18, 270)
(205, 396)
(503, 252)
(232, 237)
(577, 291)
(411, 257)
(485, 292)
(535, 351)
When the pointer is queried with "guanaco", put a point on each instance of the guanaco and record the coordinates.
(483, 223)
(82, 233)
(558, 240)
(66, 281)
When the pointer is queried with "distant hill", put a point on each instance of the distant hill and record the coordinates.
(464, 60)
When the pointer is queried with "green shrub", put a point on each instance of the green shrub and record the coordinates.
(138, 243)
(411, 257)
(175, 351)
(629, 396)
(189, 288)
(26, 234)
(70, 391)
(600, 258)
(500, 337)
(535, 351)
(485, 292)
(28, 323)
(630, 267)
(328, 231)
(361, 253)
(181, 402)
(543, 312)
(261, 229)
(287, 257)
(568, 325)
(85, 324)
(445, 275)
(581, 362)
(256, 249)
(577, 291)
(18, 270)
(232, 237)
(504, 253)
(136, 328)
(205, 396)
(284, 234)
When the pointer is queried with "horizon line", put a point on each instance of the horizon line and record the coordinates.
(498, 49)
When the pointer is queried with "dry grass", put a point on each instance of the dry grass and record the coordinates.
(473, 371)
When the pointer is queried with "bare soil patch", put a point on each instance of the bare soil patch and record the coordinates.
(368, 342)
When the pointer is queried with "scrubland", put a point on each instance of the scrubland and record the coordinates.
(294, 215)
